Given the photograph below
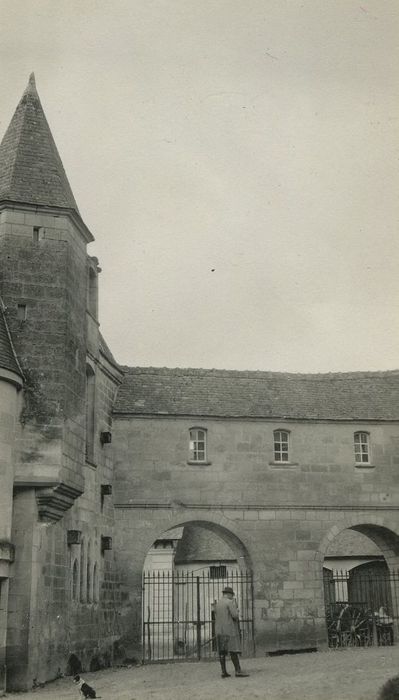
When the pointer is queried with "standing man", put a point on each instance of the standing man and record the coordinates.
(227, 630)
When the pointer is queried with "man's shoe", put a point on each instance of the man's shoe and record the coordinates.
(241, 674)
(226, 675)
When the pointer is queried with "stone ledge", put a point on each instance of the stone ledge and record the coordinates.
(283, 465)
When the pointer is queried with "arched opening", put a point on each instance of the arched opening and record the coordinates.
(184, 574)
(82, 572)
(90, 413)
(361, 587)
(95, 583)
(89, 593)
(74, 666)
(75, 580)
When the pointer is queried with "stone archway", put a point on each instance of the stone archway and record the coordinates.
(138, 529)
(220, 532)
(361, 598)
(384, 532)
(215, 523)
(184, 574)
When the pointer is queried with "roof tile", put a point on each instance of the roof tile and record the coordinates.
(31, 171)
(225, 393)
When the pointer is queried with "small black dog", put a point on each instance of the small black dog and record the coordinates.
(86, 690)
(390, 689)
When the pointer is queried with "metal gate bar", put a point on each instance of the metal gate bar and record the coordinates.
(361, 608)
(178, 612)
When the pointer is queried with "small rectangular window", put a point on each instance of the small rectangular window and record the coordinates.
(362, 448)
(217, 571)
(21, 312)
(38, 233)
(281, 453)
(197, 445)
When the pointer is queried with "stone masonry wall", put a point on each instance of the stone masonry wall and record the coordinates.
(284, 548)
(10, 406)
(93, 607)
(63, 597)
(151, 463)
(51, 615)
(281, 519)
(48, 276)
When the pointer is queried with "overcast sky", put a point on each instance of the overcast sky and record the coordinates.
(237, 163)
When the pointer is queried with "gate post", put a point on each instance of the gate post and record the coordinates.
(251, 579)
(143, 592)
(198, 619)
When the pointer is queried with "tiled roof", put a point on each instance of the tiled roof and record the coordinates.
(224, 393)
(201, 545)
(31, 170)
(8, 359)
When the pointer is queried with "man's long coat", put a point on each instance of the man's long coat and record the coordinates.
(227, 623)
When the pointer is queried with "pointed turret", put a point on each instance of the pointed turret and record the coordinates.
(31, 171)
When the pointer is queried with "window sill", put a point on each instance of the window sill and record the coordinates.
(363, 465)
(198, 463)
(284, 465)
(85, 603)
(91, 464)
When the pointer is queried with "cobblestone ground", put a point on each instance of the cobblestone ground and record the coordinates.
(330, 675)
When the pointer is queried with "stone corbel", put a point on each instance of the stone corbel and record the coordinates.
(53, 501)
(7, 553)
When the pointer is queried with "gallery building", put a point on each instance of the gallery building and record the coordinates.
(129, 495)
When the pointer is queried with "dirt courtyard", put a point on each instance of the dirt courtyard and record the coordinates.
(330, 675)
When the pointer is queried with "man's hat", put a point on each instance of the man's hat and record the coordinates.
(227, 589)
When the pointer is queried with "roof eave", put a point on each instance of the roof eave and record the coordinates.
(7, 375)
(237, 417)
(113, 368)
(56, 211)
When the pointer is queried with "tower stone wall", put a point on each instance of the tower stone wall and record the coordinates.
(62, 590)
(43, 285)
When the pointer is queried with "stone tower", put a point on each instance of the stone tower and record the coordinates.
(48, 284)
(43, 278)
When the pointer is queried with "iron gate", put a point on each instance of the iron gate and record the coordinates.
(362, 609)
(178, 612)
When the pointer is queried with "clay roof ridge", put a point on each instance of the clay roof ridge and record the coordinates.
(259, 374)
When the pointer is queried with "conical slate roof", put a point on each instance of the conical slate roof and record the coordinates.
(8, 359)
(31, 171)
